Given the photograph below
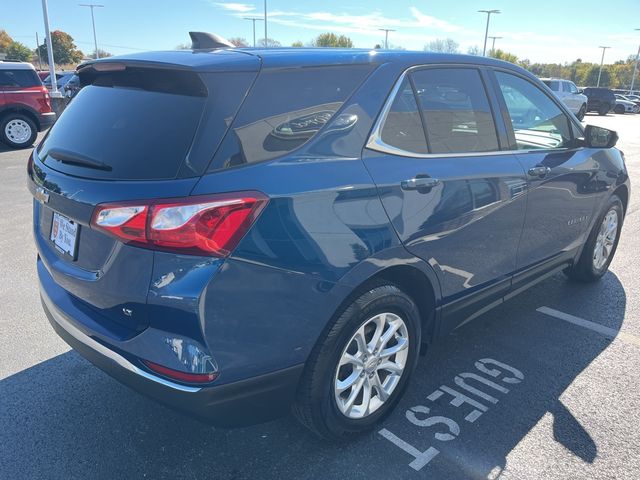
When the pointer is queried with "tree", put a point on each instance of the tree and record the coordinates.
(525, 63)
(297, 44)
(332, 40)
(19, 52)
(183, 46)
(446, 45)
(473, 50)
(5, 41)
(502, 55)
(268, 42)
(64, 50)
(377, 46)
(102, 54)
(592, 76)
(238, 41)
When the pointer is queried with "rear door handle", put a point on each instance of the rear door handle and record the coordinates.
(419, 182)
(540, 171)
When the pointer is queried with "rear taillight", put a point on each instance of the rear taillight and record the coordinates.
(47, 97)
(203, 225)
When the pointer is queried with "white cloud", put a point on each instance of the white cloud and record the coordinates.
(367, 23)
(237, 7)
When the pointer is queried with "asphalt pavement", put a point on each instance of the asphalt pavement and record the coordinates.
(557, 370)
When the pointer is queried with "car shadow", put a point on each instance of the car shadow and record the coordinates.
(549, 352)
(63, 418)
(5, 148)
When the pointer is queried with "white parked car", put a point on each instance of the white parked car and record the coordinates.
(570, 95)
(625, 105)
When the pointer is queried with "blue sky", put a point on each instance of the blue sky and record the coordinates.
(542, 30)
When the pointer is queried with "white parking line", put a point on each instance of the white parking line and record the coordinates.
(596, 327)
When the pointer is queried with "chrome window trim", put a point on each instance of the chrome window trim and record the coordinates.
(376, 143)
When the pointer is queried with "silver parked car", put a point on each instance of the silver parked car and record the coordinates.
(570, 95)
(625, 105)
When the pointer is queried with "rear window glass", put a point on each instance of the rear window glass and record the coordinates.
(403, 127)
(139, 124)
(456, 110)
(284, 110)
(19, 78)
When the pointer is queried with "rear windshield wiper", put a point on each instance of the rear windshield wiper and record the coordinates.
(72, 158)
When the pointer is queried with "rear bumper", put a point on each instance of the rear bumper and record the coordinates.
(245, 402)
(46, 120)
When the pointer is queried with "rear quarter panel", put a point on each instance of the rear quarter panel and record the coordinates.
(323, 233)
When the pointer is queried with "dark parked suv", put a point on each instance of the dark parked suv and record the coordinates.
(601, 100)
(242, 232)
(25, 105)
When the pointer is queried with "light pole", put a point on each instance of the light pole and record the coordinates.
(254, 20)
(635, 68)
(486, 31)
(386, 36)
(601, 63)
(493, 43)
(265, 24)
(52, 68)
(93, 22)
(38, 52)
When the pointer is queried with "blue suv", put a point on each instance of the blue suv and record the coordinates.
(239, 233)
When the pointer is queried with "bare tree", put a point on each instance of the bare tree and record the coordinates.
(268, 42)
(443, 45)
(239, 41)
(473, 50)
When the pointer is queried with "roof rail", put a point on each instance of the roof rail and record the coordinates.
(208, 41)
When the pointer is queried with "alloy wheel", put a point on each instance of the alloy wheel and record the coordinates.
(371, 365)
(606, 239)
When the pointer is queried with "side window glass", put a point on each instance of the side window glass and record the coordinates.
(456, 110)
(570, 87)
(402, 126)
(19, 78)
(538, 123)
(284, 110)
(7, 79)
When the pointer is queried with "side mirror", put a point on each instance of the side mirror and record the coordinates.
(580, 90)
(598, 137)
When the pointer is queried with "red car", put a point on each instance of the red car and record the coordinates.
(25, 105)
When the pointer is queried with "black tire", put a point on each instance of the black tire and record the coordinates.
(619, 109)
(25, 122)
(316, 406)
(582, 112)
(603, 110)
(584, 269)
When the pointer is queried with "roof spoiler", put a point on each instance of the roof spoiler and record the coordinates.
(208, 41)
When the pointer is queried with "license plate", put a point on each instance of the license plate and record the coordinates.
(64, 234)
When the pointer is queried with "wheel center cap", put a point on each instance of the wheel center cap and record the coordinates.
(371, 365)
